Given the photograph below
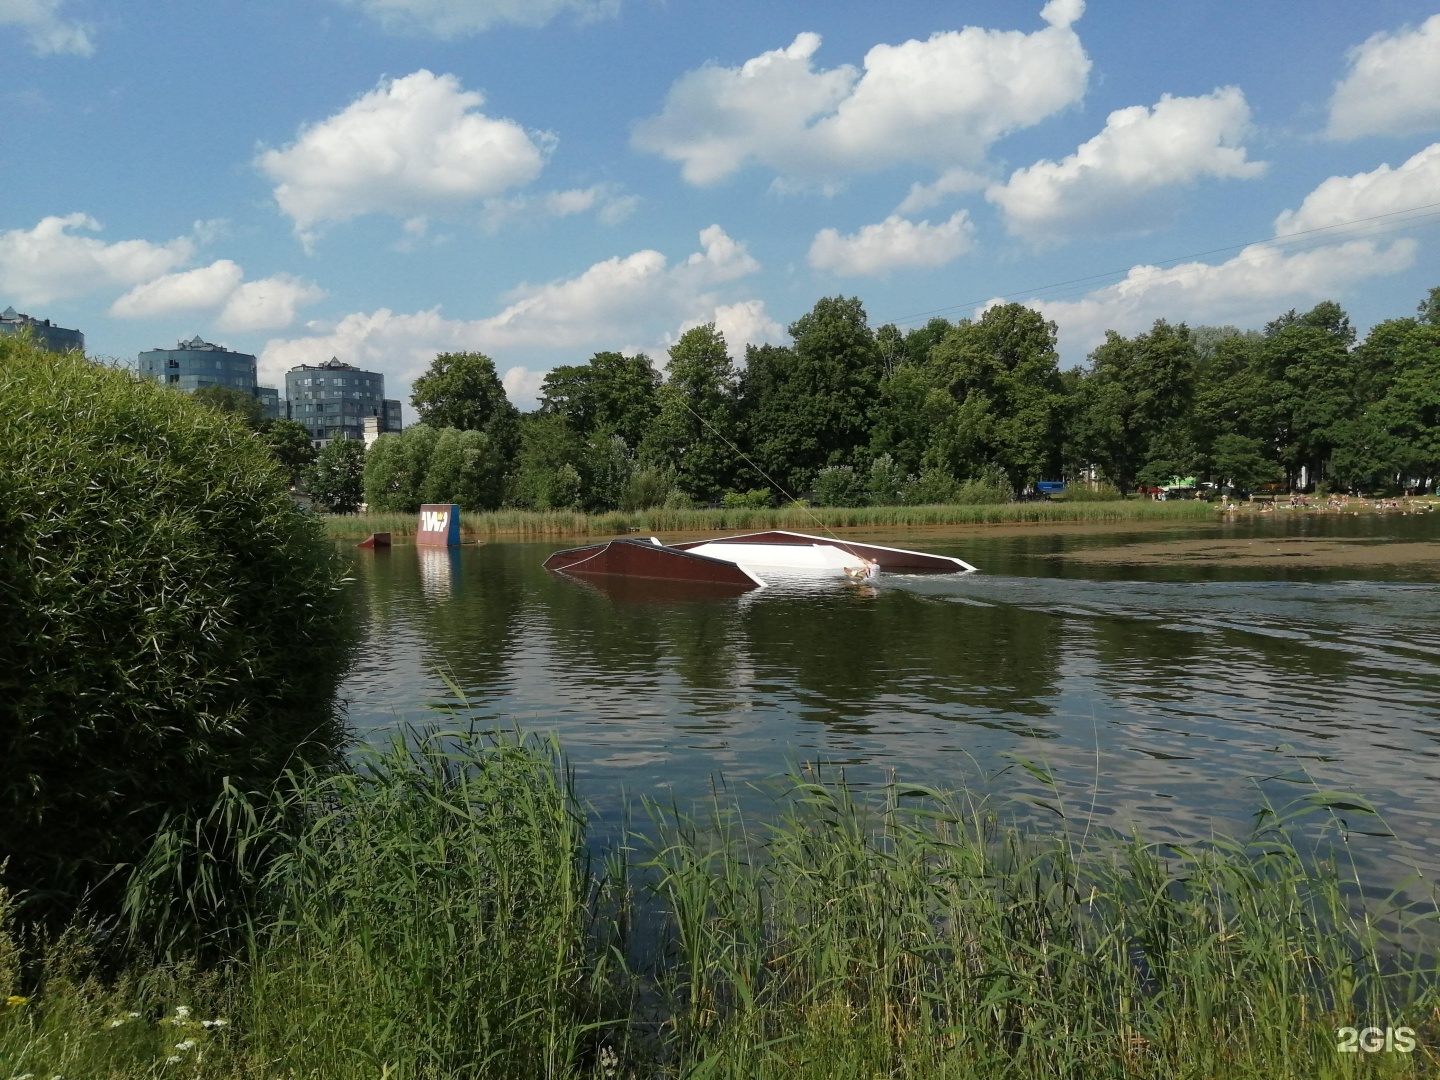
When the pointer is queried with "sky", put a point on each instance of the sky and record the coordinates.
(539, 180)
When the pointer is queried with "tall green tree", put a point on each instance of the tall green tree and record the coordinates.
(907, 409)
(462, 390)
(396, 467)
(1002, 374)
(1243, 461)
(1135, 389)
(1310, 355)
(336, 478)
(695, 430)
(1237, 395)
(561, 469)
(289, 443)
(1409, 412)
(464, 468)
(616, 392)
(810, 406)
(548, 476)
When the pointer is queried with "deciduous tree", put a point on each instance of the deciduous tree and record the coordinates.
(1135, 389)
(694, 432)
(336, 479)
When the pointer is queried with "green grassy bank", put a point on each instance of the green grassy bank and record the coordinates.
(434, 913)
(526, 524)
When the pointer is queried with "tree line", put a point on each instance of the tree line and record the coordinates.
(974, 410)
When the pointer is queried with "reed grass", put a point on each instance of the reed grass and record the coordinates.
(436, 915)
(926, 939)
(530, 524)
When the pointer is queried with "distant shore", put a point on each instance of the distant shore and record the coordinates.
(530, 524)
(1333, 504)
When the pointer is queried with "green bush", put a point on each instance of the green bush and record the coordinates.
(754, 499)
(840, 485)
(646, 487)
(1079, 491)
(981, 493)
(933, 487)
(885, 485)
(170, 619)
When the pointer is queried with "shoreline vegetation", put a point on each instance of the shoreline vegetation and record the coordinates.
(976, 411)
(434, 910)
(543, 524)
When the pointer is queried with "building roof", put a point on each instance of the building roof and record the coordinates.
(199, 344)
(333, 364)
(10, 315)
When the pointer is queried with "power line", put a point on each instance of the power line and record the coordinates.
(1375, 225)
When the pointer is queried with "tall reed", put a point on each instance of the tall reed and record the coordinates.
(530, 524)
(923, 938)
(434, 914)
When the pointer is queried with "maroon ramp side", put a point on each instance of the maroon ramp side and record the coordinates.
(624, 589)
(888, 558)
(641, 558)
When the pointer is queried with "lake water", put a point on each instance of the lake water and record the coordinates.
(1172, 698)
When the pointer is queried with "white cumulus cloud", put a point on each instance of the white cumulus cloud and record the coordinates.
(622, 302)
(266, 304)
(46, 29)
(1392, 86)
(939, 102)
(449, 19)
(610, 206)
(269, 303)
(1139, 152)
(56, 260)
(1384, 190)
(412, 146)
(186, 290)
(1245, 290)
(1291, 270)
(893, 244)
(957, 181)
(743, 324)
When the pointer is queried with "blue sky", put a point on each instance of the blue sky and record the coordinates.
(540, 179)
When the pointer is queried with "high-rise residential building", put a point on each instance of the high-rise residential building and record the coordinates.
(196, 363)
(333, 399)
(47, 334)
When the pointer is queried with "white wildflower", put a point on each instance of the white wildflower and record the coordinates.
(182, 1012)
(188, 1044)
(214, 1023)
(172, 1059)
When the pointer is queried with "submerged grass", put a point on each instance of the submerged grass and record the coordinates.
(436, 915)
(557, 523)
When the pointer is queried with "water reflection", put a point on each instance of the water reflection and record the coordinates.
(1171, 703)
(439, 569)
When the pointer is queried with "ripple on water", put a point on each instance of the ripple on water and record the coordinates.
(1172, 705)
